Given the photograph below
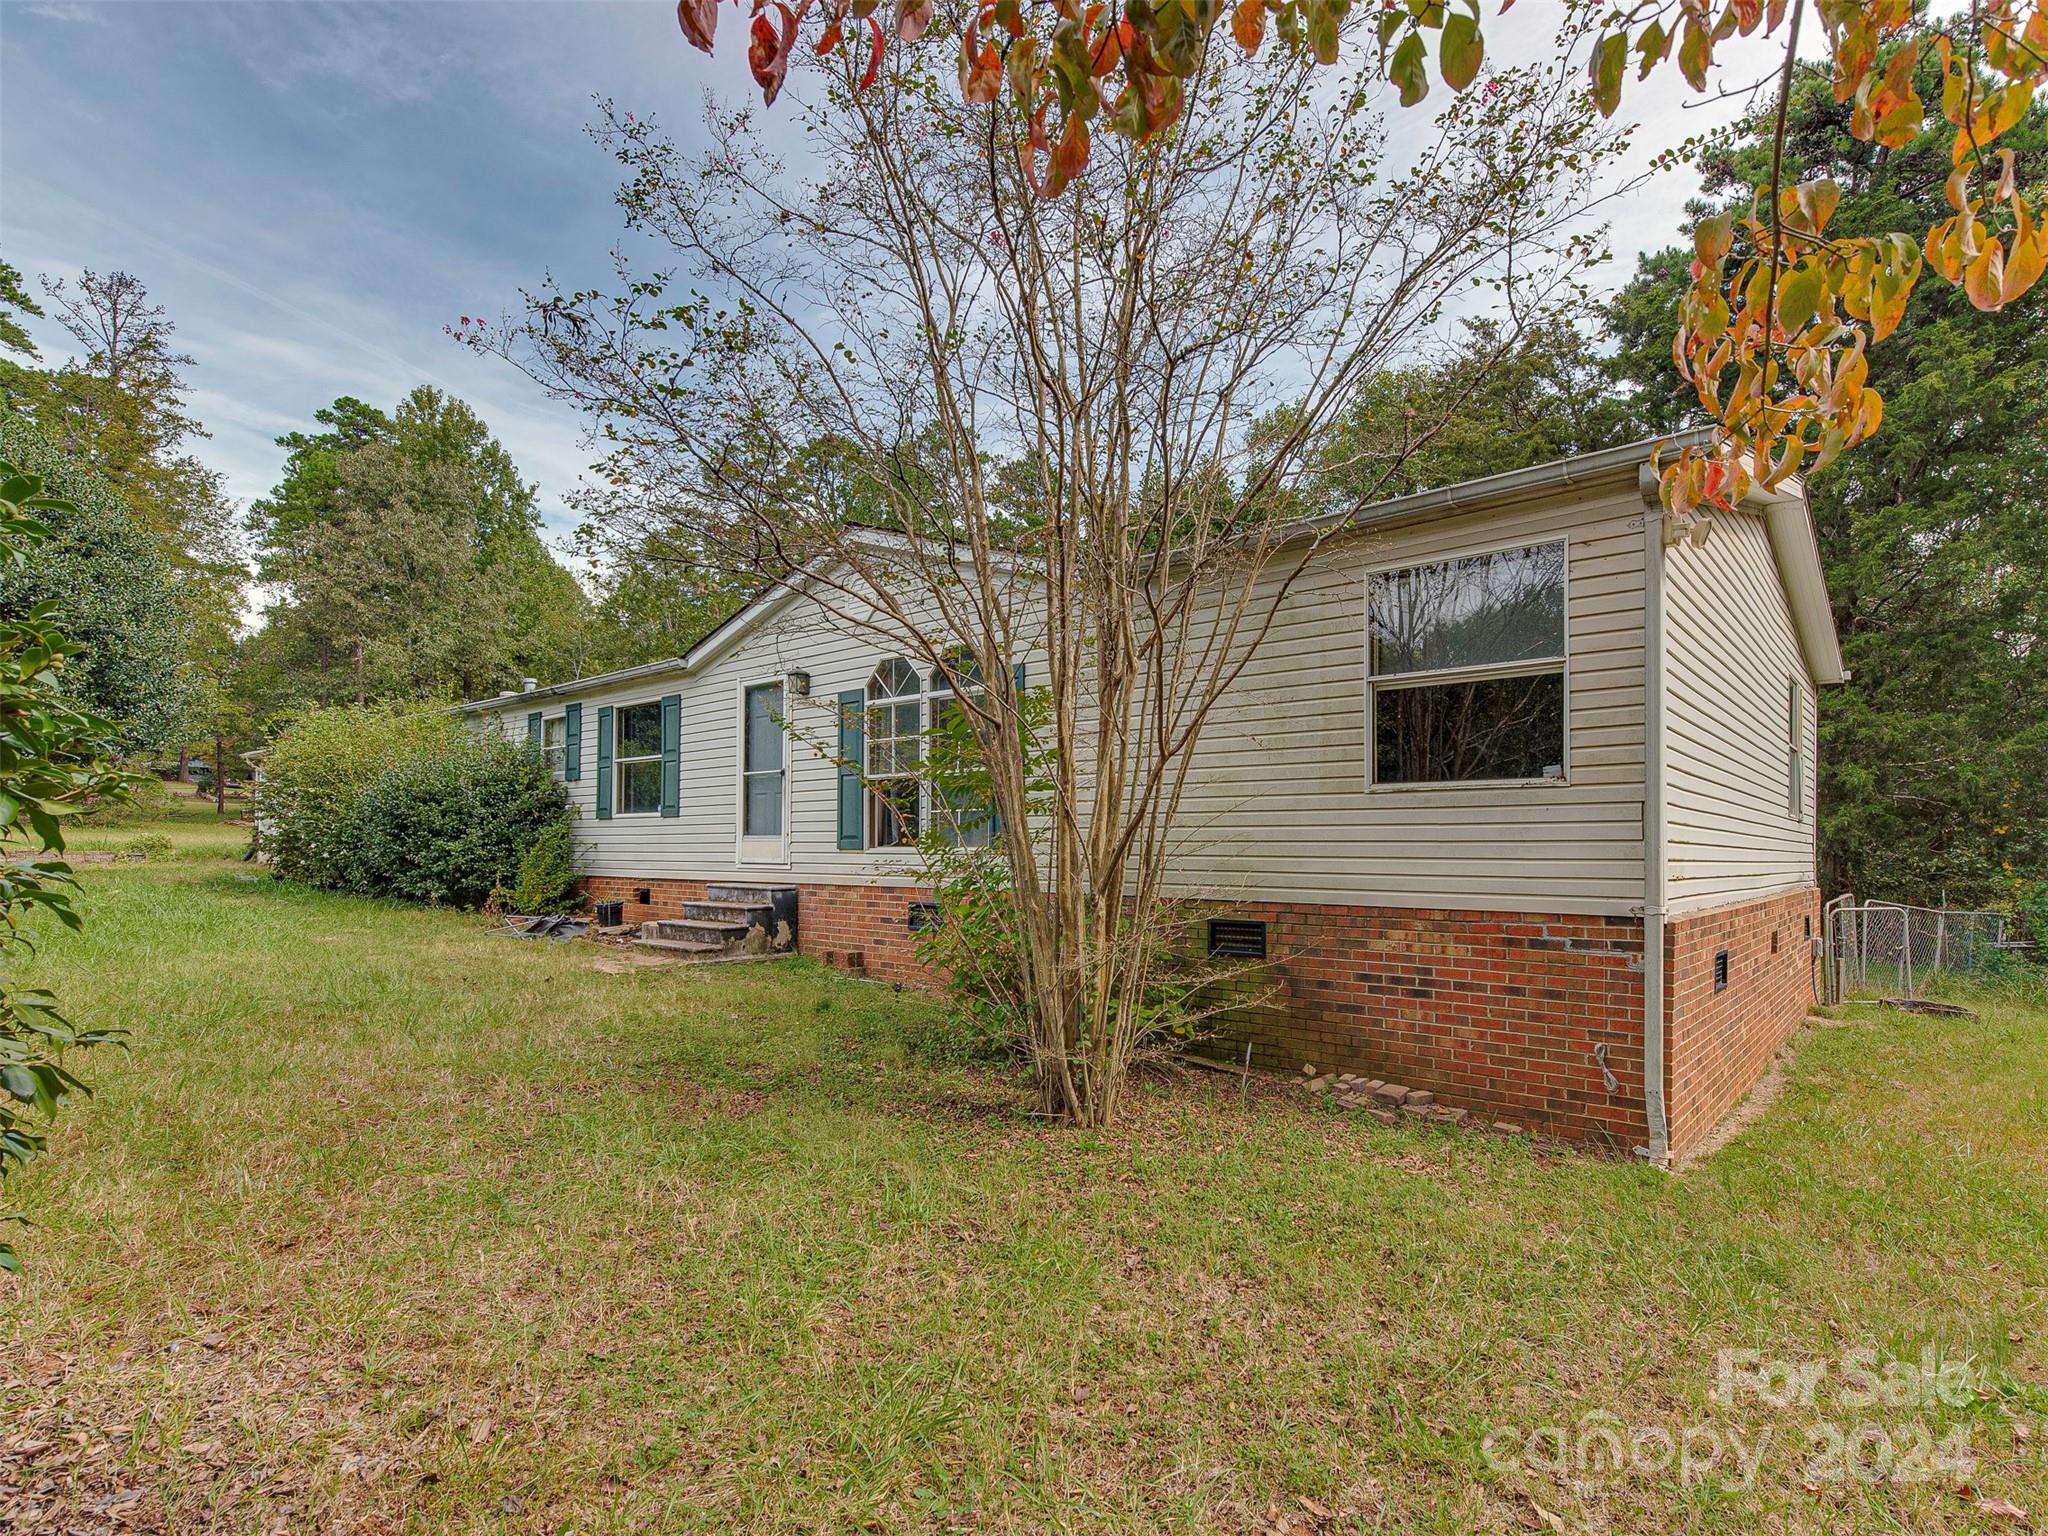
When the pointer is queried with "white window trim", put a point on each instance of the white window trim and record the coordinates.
(869, 792)
(1470, 674)
(560, 767)
(933, 807)
(928, 807)
(758, 852)
(1795, 733)
(619, 760)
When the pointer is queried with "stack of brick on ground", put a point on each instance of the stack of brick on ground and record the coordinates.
(1390, 1102)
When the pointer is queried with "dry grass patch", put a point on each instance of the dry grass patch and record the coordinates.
(387, 1224)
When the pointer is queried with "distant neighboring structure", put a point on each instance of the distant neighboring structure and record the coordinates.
(1519, 799)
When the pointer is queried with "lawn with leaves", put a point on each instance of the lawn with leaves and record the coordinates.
(385, 1223)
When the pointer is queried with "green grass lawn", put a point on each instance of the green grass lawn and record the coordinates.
(385, 1223)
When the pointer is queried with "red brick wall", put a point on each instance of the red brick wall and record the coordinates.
(864, 928)
(871, 921)
(1499, 1013)
(666, 897)
(1718, 1043)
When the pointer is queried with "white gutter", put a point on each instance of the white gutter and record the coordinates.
(1654, 869)
(574, 685)
(1515, 484)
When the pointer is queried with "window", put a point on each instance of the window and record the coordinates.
(1467, 663)
(761, 764)
(962, 818)
(554, 743)
(636, 757)
(1795, 751)
(894, 728)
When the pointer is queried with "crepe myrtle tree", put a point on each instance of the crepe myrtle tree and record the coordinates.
(1771, 336)
(977, 423)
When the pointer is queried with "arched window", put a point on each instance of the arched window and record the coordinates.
(960, 810)
(894, 736)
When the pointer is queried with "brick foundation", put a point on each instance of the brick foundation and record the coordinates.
(1506, 1014)
(860, 928)
(1719, 1042)
(1510, 1015)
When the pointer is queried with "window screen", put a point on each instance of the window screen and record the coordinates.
(1467, 662)
(637, 757)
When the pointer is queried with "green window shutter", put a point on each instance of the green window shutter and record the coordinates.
(572, 742)
(604, 763)
(852, 820)
(533, 733)
(671, 754)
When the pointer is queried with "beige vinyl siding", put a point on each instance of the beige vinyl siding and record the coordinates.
(702, 839)
(1730, 653)
(1280, 807)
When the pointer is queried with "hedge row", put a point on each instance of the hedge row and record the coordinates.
(411, 804)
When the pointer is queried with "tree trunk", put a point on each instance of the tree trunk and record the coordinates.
(184, 765)
(356, 653)
(220, 777)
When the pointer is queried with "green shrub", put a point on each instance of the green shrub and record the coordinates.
(451, 825)
(153, 845)
(316, 768)
(547, 873)
(402, 802)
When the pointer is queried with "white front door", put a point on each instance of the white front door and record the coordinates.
(764, 776)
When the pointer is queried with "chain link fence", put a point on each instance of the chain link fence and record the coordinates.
(1883, 948)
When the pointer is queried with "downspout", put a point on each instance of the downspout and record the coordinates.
(1654, 1109)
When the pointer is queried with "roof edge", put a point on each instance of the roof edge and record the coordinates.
(1622, 461)
(575, 684)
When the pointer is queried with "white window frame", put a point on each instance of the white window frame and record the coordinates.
(935, 811)
(619, 759)
(768, 851)
(556, 757)
(871, 794)
(1472, 674)
(1795, 731)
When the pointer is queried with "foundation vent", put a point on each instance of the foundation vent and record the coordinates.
(1237, 938)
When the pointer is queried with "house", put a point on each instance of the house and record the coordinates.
(1517, 797)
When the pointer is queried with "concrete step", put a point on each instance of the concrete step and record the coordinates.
(761, 916)
(680, 947)
(750, 895)
(692, 930)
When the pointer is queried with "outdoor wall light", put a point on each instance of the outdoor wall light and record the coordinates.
(798, 684)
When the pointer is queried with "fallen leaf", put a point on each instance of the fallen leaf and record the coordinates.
(2003, 1509)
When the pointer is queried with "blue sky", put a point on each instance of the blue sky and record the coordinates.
(314, 190)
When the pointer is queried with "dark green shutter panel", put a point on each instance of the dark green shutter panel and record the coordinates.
(604, 763)
(572, 743)
(533, 733)
(1018, 673)
(671, 753)
(852, 830)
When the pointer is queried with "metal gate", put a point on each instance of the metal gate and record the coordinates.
(1898, 951)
